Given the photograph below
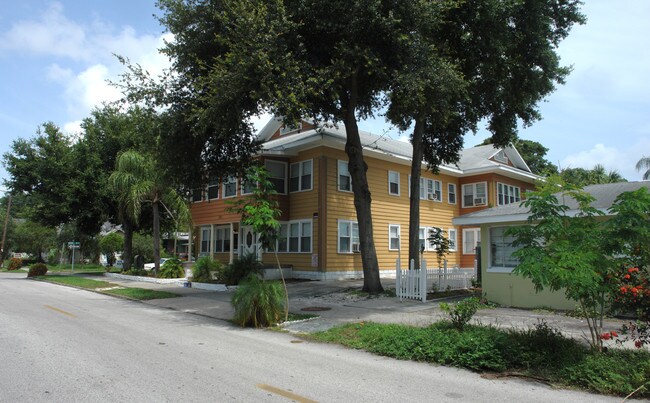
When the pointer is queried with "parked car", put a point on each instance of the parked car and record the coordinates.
(150, 266)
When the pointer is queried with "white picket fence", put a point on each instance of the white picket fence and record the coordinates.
(414, 284)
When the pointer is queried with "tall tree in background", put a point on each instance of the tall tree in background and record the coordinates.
(138, 180)
(597, 175)
(473, 61)
(644, 165)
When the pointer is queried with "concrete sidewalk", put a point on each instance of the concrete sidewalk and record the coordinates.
(338, 301)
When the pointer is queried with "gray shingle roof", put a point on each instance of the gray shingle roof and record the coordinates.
(604, 194)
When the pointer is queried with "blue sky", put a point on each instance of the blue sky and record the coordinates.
(55, 58)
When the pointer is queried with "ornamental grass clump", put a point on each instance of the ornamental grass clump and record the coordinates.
(258, 303)
(37, 269)
(203, 269)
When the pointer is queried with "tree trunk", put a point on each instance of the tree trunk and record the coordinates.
(156, 237)
(414, 200)
(128, 244)
(362, 200)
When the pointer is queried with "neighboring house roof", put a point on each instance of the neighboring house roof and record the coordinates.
(476, 160)
(604, 196)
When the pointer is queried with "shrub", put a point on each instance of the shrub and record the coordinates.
(240, 269)
(37, 269)
(258, 303)
(172, 268)
(203, 268)
(14, 263)
(136, 272)
(461, 313)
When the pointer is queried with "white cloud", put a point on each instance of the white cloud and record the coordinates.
(622, 158)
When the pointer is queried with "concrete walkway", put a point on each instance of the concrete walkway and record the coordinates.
(338, 302)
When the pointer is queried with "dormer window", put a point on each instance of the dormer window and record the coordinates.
(286, 129)
(501, 157)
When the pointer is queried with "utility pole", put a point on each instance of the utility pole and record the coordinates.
(4, 231)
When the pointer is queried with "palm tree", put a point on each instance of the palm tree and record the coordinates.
(644, 164)
(137, 180)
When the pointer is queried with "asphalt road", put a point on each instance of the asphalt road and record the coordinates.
(63, 344)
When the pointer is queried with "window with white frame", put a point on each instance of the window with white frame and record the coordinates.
(197, 195)
(422, 237)
(348, 237)
(475, 194)
(300, 176)
(501, 250)
(451, 235)
(434, 190)
(507, 194)
(394, 237)
(471, 238)
(229, 187)
(423, 190)
(222, 239)
(277, 175)
(247, 186)
(213, 188)
(206, 235)
(345, 180)
(393, 183)
(295, 237)
(451, 193)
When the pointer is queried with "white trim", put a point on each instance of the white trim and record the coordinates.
(516, 190)
(474, 194)
(455, 193)
(339, 174)
(452, 240)
(398, 183)
(301, 174)
(477, 240)
(490, 268)
(353, 245)
(286, 173)
(399, 237)
(212, 184)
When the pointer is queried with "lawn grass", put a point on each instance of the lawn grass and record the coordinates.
(77, 281)
(541, 353)
(78, 268)
(141, 293)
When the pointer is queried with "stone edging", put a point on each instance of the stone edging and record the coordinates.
(146, 279)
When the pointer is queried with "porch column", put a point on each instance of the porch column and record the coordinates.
(231, 257)
(212, 241)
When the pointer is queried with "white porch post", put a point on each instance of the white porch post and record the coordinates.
(212, 241)
(231, 257)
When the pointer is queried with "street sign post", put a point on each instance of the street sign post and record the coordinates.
(72, 246)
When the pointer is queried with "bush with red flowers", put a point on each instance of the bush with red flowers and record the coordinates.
(633, 296)
(14, 263)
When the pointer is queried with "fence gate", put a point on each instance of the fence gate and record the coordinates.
(411, 284)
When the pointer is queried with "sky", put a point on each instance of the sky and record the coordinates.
(56, 58)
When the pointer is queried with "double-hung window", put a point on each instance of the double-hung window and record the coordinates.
(507, 194)
(434, 190)
(277, 175)
(197, 195)
(451, 193)
(393, 237)
(247, 186)
(451, 235)
(348, 237)
(213, 188)
(229, 187)
(344, 178)
(300, 176)
(475, 194)
(393, 183)
(295, 237)
(206, 235)
(222, 239)
(471, 238)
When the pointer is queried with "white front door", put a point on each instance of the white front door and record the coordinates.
(248, 241)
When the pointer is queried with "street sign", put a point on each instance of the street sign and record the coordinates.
(73, 245)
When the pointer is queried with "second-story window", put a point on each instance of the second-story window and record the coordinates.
(197, 195)
(277, 175)
(393, 183)
(507, 194)
(475, 194)
(451, 193)
(213, 188)
(229, 187)
(434, 190)
(345, 180)
(300, 176)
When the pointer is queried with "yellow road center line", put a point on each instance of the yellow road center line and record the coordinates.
(285, 393)
(60, 311)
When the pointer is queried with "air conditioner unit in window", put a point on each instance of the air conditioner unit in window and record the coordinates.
(479, 201)
(356, 248)
(433, 196)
